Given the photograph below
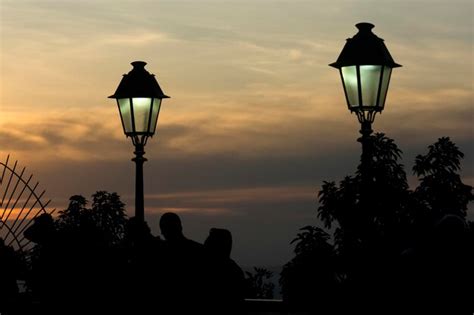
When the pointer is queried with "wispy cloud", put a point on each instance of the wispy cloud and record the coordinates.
(256, 117)
(139, 38)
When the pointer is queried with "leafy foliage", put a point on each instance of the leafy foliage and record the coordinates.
(443, 157)
(365, 213)
(441, 189)
(258, 284)
(105, 220)
(311, 273)
(310, 240)
(109, 214)
(79, 256)
(375, 217)
(74, 216)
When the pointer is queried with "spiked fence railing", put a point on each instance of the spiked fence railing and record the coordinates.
(20, 204)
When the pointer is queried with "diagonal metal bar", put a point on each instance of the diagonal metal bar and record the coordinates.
(14, 238)
(23, 208)
(4, 168)
(13, 192)
(31, 221)
(32, 190)
(17, 240)
(18, 199)
(24, 205)
(32, 193)
(26, 216)
(23, 242)
(28, 213)
(8, 186)
(10, 200)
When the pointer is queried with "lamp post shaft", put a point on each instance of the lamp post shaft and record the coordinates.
(365, 131)
(139, 193)
(365, 184)
(365, 170)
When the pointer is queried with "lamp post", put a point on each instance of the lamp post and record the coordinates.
(365, 66)
(139, 99)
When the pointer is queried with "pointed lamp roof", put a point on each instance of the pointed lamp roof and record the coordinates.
(365, 48)
(139, 83)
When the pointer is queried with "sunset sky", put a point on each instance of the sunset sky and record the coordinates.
(256, 119)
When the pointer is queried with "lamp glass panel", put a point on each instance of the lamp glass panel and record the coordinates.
(349, 77)
(125, 112)
(141, 112)
(385, 81)
(154, 114)
(370, 80)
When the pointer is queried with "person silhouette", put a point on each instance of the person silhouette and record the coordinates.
(449, 265)
(48, 276)
(182, 270)
(226, 281)
(10, 264)
(143, 253)
(436, 276)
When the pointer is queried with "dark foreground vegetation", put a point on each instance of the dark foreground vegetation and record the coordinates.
(394, 250)
(382, 248)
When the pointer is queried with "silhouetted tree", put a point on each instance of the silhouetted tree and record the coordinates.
(441, 190)
(376, 217)
(105, 220)
(307, 279)
(77, 257)
(259, 285)
(73, 216)
(363, 225)
(371, 218)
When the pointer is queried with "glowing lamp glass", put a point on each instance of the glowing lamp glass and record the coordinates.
(366, 86)
(139, 115)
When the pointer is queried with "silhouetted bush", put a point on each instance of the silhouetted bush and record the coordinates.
(259, 285)
(311, 274)
(375, 218)
(79, 256)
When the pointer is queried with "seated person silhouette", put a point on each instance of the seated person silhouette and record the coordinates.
(10, 264)
(448, 267)
(226, 283)
(434, 274)
(182, 269)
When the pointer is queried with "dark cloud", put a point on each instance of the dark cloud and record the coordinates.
(257, 120)
(14, 141)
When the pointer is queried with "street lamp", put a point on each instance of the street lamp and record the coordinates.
(139, 99)
(365, 66)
